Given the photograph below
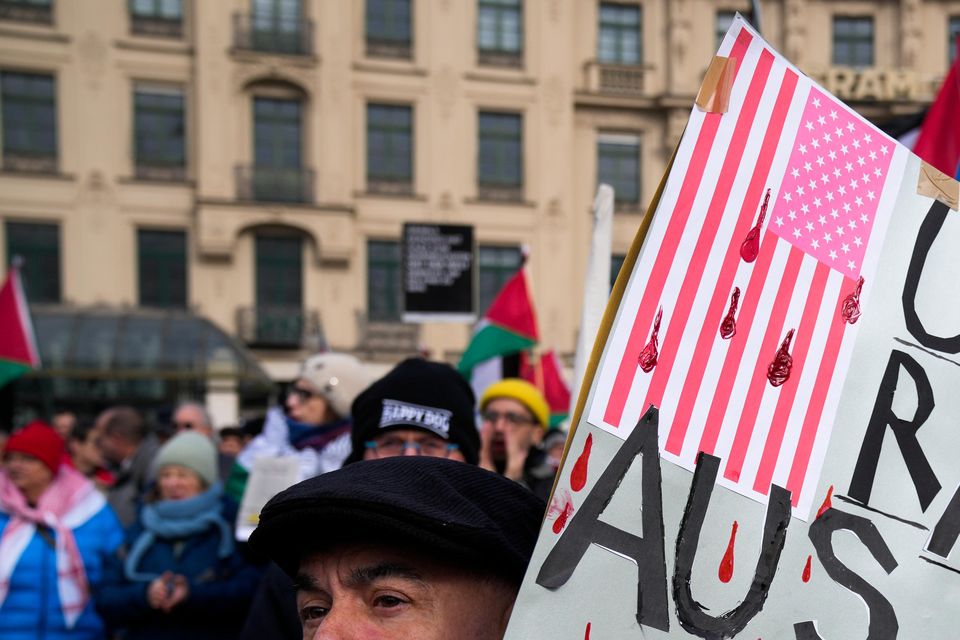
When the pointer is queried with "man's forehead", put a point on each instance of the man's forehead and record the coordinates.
(365, 563)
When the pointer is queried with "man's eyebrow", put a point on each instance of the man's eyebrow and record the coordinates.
(365, 575)
(305, 582)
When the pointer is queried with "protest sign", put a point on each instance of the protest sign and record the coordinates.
(438, 273)
(765, 445)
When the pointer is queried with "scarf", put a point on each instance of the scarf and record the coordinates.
(303, 436)
(67, 503)
(176, 519)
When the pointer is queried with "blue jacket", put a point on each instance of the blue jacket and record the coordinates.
(220, 590)
(32, 608)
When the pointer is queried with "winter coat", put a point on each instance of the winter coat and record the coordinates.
(131, 482)
(32, 610)
(220, 589)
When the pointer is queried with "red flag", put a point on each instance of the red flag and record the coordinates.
(545, 375)
(939, 140)
(18, 346)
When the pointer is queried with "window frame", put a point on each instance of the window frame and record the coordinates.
(623, 140)
(385, 181)
(719, 33)
(38, 12)
(953, 35)
(163, 259)
(44, 284)
(498, 184)
(502, 272)
(500, 54)
(619, 29)
(155, 23)
(34, 157)
(170, 168)
(392, 277)
(389, 45)
(848, 41)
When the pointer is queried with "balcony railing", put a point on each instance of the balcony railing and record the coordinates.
(614, 79)
(23, 11)
(271, 34)
(386, 339)
(30, 163)
(274, 184)
(156, 26)
(280, 328)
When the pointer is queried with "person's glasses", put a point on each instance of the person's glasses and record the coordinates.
(302, 394)
(182, 426)
(398, 446)
(513, 419)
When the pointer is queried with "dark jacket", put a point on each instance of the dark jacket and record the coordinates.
(131, 481)
(220, 590)
(273, 613)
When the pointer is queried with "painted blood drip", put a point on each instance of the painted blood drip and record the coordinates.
(728, 328)
(850, 310)
(750, 247)
(827, 503)
(806, 570)
(578, 477)
(725, 572)
(648, 357)
(586, 635)
(779, 370)
(561, 508)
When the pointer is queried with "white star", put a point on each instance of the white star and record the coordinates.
(800, 191)
(859, 201)
(822, 220)
(807, 166)
(792, 215)
(809, 126)
(845, 247)
(844, 150)
(833, 114)
(812, 184)
(865, 178)
(820, 161)
(850, 127)
(846, 207)
(877, 172)
(848, 167)
(795, 172)
(853, 183)
(827, 237)
(816, 202)
(867, 138)
(864, 218)
(809, 226)
(815, 244)
(838, 132)
(883, 150)
(805, 208)
(856, 143)
(857, 241)
(870, 195)
(834, 214)
(839, 231)
(786, 196)
(861, 161)
(779, 221)
(842, 190)
(827, 138)
(815, 143)
(873, 154)
(832, 155)
(829, 196)
(824, 178)
(816, 102)
(796, 232)
(833, 254)
(822, 120)
(851, 265)
(852, 224)
(836, 172)
(802, 148)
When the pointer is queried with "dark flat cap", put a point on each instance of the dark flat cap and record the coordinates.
(451, 510)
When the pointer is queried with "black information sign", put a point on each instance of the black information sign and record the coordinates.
(438, 273)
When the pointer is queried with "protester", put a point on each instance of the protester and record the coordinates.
(56, 532)
(515, 416)
(64, 422)
(554, 443)
(85, 456)
(418, 408)
(128, 446)
(182, 576)
(316, 429)
(231, 442)
(407, 547)
(192, 416)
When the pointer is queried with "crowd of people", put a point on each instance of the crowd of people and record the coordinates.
(414, 500)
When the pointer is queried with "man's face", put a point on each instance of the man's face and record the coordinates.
(188, 418)
(376, 592)
(410, 442)
(509, 426)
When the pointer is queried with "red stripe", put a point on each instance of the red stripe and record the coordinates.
(768, 349)
(811, 423)
(731, 363)
(708, 333)
(788, 392)
(708, 232)
(666, 253)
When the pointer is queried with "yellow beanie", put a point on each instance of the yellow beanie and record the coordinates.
(524, 393)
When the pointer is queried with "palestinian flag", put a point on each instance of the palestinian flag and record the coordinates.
(509, 327)
(18, 345)
(544, 374)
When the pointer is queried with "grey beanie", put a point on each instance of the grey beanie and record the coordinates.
(193, 451)
(338, 377)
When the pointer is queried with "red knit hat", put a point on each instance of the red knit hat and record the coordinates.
(38, 439)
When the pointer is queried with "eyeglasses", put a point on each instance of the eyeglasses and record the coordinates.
(398, 446)
(182, 426)
(513, 419)
(302, 394)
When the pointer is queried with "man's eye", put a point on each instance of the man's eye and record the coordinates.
(387, 602)
(313, 613)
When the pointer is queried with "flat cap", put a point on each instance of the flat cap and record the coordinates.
(449, 509)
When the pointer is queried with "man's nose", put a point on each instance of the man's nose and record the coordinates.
(340, 625)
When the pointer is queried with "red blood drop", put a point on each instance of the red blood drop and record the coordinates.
(728, 328)
(648, 357)
(578, 477)
(827, 503)
(561, 520)
(725, 572)
(587, 634)
(850, 310)
(778, 371)
(750, 247)
(806, 571)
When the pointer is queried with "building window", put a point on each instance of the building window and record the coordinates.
(39, 246)
(162, 268)
(159, 133)
(497, 265)
(389, 28)
(162, 18)
(38, 11)
(275, 26)
(500, 165)
(29, 111)
(384, 290)
(853, 41)
(618, 164)
(722, 25)
(616, 263)
(277, 174)
(389, 148)
(953, 38)
(500, 32)
(279, 290)
(619, 39)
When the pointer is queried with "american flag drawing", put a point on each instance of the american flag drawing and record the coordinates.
(828, 172)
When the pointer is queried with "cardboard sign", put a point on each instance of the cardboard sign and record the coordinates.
(438, 273)
(766, 440)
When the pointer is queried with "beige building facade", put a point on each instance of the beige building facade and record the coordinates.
(253, 161)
